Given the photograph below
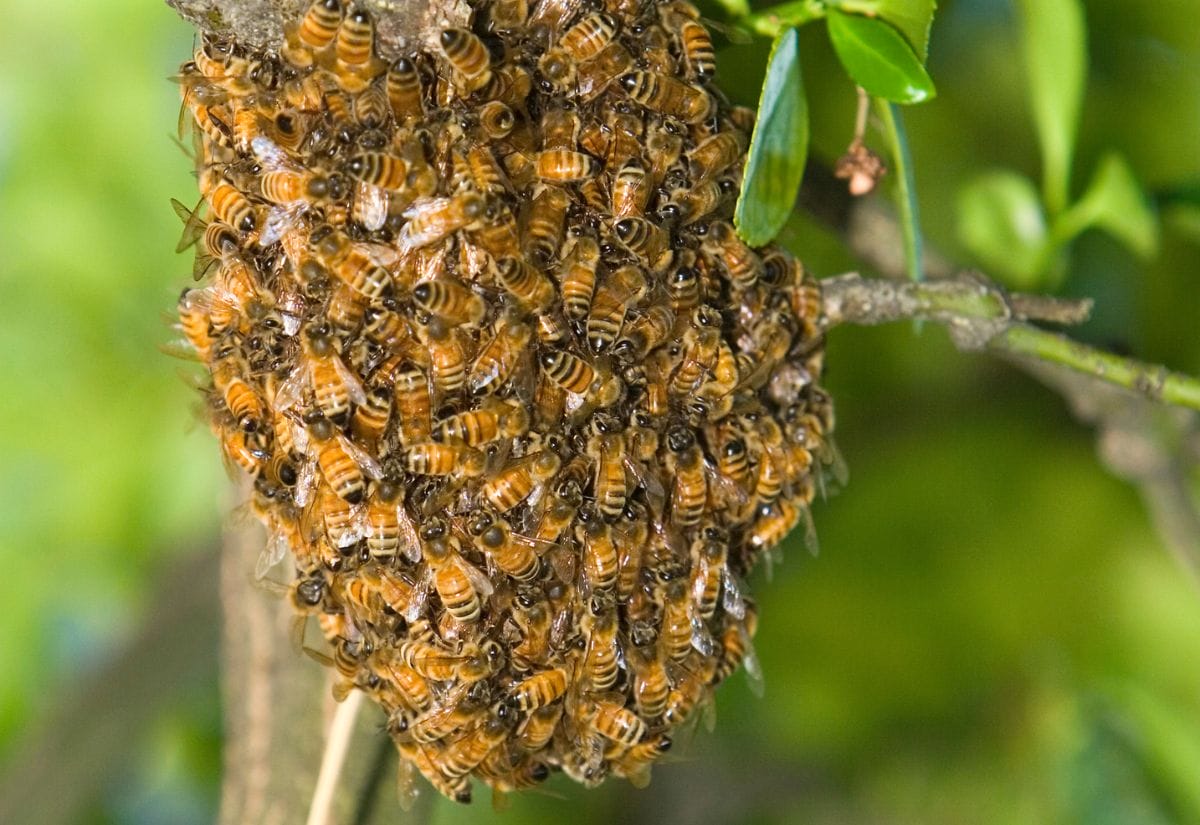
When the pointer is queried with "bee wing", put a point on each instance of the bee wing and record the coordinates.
(656, 494)
(481, 583)
(726, 488)
(269, 153)
(353, 384)
(193, 223)
(282, 221)
(369, 464)
(410, 542)
(419, 596)
(370, 205)
(272, 554)
(306, 478)
(406, 786)
(731, 598)
(290, 394)
(702, 639)
(754, 673)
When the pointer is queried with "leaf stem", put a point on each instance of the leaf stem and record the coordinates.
(906, 190)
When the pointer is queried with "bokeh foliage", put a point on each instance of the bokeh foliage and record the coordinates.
(993, 631)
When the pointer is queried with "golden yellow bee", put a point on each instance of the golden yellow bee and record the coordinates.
(510, 486)
(648, 242)
(498, 359)
(461, 587)
(566, 370)
(316, 30)
(619, 291)
(476, 427)
(342, 464)
(413, 406)
(353, 264)
(601, 660)
(663, 93)
(405, 91)
(469, 59)
(433, 458)
(230, 206)
(448, 359)
(496, 119)
(601, 560)
(431, 219)
(544, 225)
(740, 262)
(578, 278)
(566, 166)
(379, 169)
(714, 155)
(450, 300)
(525, 283)
(631, 190)
(613, 721)
(538, 690)
(538, 728)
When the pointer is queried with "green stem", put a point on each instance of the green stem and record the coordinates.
(981, 316)
(771, 21)
(1152, 381)
(906, 188)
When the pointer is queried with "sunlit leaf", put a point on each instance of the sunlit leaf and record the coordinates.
(1055, 48)
(778, 149)
(1115, 203)
(1000, 221)
(912, 17)
(878, 58)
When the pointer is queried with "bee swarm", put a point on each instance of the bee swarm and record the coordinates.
(522, 407)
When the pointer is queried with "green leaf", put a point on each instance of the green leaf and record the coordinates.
(778, 149)
(878, 58)
(1055, 47)
(1000, 222)
(912, 17)
(1115, 203)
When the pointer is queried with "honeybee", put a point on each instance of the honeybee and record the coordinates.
(389, 528)
(342, 463)
(451, 300)
(566, 166)
(497, 120)
(709, 553)
(538, 728)
(544, 225)
(413, 406)
(461, 586)
(447, 357)
(559, 511)
(432, 219)
(339, 524)
(469, 59)
(410, 685)
(560, 128)
(316, 30)
(352, 263)
(538, 690)
(737, 649)
(531, 615)
(686, 462)
(194, 322)
(594, 76)
(231, 207)
(512, 485)
(434, 458)
(613, 721)
(581, 42)
(634, 763)
(498, 359)
(646, 241)
(242, 400)
(740, 261)
(567, 370)
(525, 283)
(354, 48)
(621, 289)
(630, 190)
(645, 333)
(772, 524)
(456, 790)
(600, 556)
(405, 92)
(379, 169)
(240, 449)
(663, 93)
(463, 755)
(714, 155)
(609, 485)
(578, 277)
(371, 106)
(333, 384)
(602, 657)
(475, 427)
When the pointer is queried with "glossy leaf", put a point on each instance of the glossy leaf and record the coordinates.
(1055, 49)
(778, 149)
(1000, 221)
(1115, 203)
(912, 17)
(878, 58)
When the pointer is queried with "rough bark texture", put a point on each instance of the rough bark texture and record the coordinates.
(400, 24)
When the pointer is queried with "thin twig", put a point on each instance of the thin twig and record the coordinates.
(336, 748)
(980, 315)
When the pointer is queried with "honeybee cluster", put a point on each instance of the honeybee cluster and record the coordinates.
(522, 407)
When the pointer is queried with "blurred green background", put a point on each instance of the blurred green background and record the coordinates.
(992, 633)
